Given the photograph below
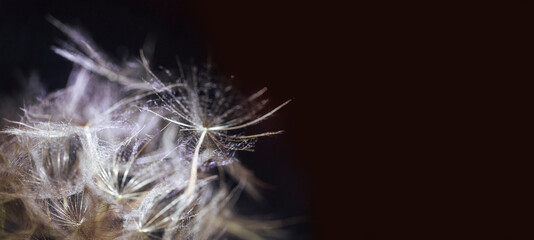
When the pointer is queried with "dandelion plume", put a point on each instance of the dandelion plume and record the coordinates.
(126, 152)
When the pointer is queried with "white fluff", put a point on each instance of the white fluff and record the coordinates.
(126, 153)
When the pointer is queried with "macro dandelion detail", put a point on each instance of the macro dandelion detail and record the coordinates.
(127, 152)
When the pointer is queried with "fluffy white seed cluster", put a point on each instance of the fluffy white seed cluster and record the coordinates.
(127, 153)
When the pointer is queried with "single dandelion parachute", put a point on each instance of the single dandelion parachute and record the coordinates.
(202, 108)
(125, 153)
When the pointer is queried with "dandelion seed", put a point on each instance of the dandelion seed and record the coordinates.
(194, 112)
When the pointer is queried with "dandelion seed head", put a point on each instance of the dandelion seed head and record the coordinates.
(127, 152)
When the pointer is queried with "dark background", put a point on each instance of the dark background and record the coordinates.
(409, 120)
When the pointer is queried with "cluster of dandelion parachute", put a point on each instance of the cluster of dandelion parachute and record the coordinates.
(126, 153)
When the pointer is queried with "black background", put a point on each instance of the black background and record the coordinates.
(409, 120)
